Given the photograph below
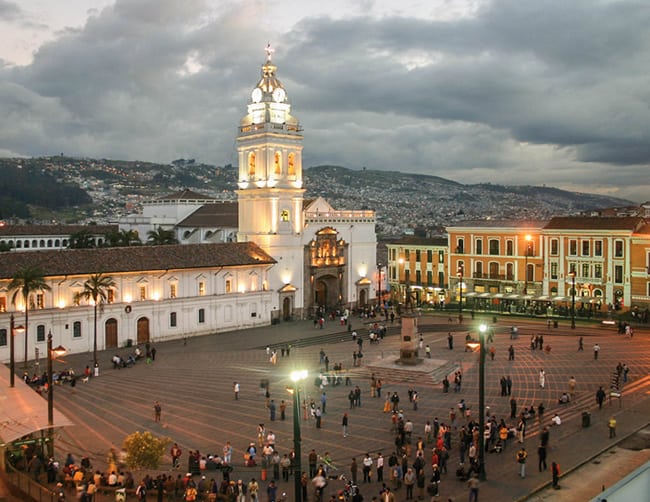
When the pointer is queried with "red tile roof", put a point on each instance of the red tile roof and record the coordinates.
(47, 230)
(134, 259)
(594, 223)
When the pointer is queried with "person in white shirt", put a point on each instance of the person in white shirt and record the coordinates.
(556, 420)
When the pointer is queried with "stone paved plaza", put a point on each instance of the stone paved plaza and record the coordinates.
(194, 384)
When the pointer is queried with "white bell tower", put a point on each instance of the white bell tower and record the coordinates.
(270, 193)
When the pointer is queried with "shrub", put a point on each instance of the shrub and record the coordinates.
(144, 450)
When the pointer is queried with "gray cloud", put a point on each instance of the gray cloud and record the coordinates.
(9, 11)
(521, 92)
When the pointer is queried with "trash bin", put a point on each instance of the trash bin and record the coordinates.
(120, 495)
(555, 324)
(586, 419)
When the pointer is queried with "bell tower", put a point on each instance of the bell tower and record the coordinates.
(269, 146)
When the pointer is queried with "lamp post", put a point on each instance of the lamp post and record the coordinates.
(481, 403)
(528, 243)
(13, 329)
(379, 284)
(460, 287)
(296, 377)
(51, 354)
(572, 274)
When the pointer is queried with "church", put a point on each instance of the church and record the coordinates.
(326, 258)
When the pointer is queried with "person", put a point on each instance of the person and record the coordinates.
(141, 491)
(541, 454)
(511, 353)
(354, 471)
(513, 408)
(450, 341)
(521, 460)
(157, 408)
(611, 425)
(253, 489)
(600, 397)
(572, 385)
(427, 350)
(564, 398)
(367, 468)
(555, 472)
(272, 491)
(344, 425)
(272, 410)
(542, 378)
(596, 351)
(473, 483)
(236, 390)
(556, 420)
(581, 345)
(175, 452)
(409, 481)
(283, 410)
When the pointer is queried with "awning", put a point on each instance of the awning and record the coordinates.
(23, 411)
(485, 295)
(512, 297)
(469, 295)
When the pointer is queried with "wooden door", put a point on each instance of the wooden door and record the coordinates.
(110, 334)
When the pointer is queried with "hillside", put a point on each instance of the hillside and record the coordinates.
(80, 190)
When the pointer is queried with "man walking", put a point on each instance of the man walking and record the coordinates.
(473, 483)
(600, 397)
(236, 390)
(541, 453)
(611, 425)
(344, 426)
(596, 351)
(157, 411)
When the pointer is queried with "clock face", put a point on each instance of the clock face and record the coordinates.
(279, 95)
(256, 95)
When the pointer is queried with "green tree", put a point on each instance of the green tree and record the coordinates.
(129, 238)
(144, 450)
(160, 236)
(96, 289)
(83, 239)
(25, 282)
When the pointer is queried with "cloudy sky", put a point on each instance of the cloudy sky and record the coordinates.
(553, 92)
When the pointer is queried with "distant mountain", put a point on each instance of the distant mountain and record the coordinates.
(81, 189)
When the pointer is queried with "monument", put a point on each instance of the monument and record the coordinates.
(408, 350)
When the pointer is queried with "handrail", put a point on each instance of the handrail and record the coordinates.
(28, 486)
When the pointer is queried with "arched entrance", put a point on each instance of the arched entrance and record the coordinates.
(362, 298)
(286, 309)
(110, 334)
(143, 330)
(326, 292)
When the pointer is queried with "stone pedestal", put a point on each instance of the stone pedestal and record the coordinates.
(408, 351)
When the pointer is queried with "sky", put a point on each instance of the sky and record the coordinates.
(546, 92)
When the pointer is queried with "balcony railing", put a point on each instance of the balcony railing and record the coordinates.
(494, 277)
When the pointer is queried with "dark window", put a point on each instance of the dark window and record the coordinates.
(201, 315)
(555, 247)
(598, 248)
(573, 247)
(407, 275)
(429, 256)
(417, 255)
(553, 270)
(494, 246)
(460, 247)
(429, 278)
(585, 270)
(407, 255)
(441, 279)
(418, 277)
(618, 249)
(479, 247)
(40, 333)
(618, 274)
(76, 329)
(598, 271)
(585, 248)
(510, 248)
(172, 319)
(441, 256)
(3, 337)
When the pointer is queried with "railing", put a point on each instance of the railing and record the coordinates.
(28, 486)
(496, 277)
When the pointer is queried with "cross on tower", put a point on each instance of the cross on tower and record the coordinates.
(269, 52)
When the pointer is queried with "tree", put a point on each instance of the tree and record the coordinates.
(144, 450)
(25, 282)
(160, 236)
(96, 289)
(122, 238)
(82, 240)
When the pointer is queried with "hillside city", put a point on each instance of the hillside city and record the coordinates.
(404, 203)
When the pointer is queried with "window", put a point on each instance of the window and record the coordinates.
(40, 333)
(429, 256)
(494, 270)
(201, 316)
(407, 275)
(598, 248)
(3, 337)
(530, 273)
(173, 290)
(585, 248)
(417, 255)
(618, 249)
(228, 285)
(110, 295)
(479, 246)
(284, 215)
(76, 329)
(418, 277)
(648, 295)
(573, 247)
(494, 246)
(441, 257)
(407, 255)
(3, 303)
(510, 247)
(291, 164)
(251, 164)
(429, 278)
(618, 274)
(460, 246)
(201, 288)
(172, 319)
(553, 270)
(441, 279)
(510, 274)
(478, 270)
(143, 293)
(585, 270)
(598, 271)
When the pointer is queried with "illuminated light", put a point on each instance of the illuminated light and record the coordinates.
(297, 184)
(528, 238)
(243, 184)
(363, 270)
(128, 298)
(298, 375)
(271, 183)
(286, 277)
(242, 288)
(260, 183)
(61, 304)
(156, 296)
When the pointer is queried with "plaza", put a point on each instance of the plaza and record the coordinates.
(194, 383)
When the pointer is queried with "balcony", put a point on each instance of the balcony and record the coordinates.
(493, 277)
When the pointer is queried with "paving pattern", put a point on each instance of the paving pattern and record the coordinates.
(194, 383)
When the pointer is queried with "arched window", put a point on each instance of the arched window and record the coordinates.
(478, 269)
(291, 170)
(277, 164)
(251, 164)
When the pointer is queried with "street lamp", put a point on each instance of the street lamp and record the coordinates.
(460, 286)
(51, 354)
(379, 284)
(528, 249)
(572, 274)
(296, 377)
(13, 329)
